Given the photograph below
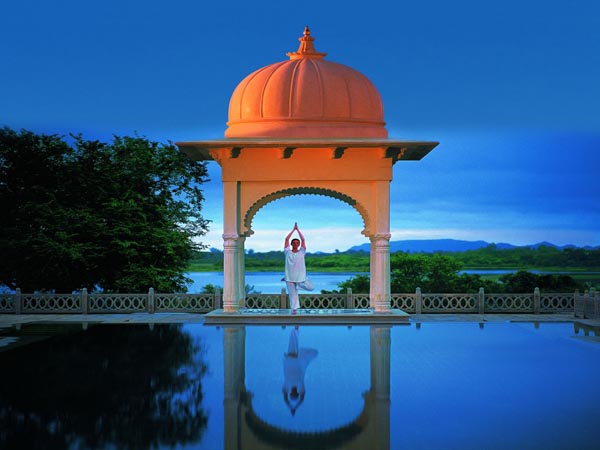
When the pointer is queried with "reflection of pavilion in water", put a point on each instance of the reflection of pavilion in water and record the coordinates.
(588, 328)
(244, 429)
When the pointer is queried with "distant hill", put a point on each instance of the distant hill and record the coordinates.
(448, 245)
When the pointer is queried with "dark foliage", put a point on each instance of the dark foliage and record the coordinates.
(523, 281)
(440, 274)
(490, 257)
(527, 257)
(123, 216)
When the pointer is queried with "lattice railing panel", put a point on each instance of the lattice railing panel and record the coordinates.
(361, 301)
(184, 302)
(263, 301)
(465, 303)
(508, 303)
(51, 303)
(323, 301)
(556, 302)
(7, 303)
(585, 306)
(405, 302)
(118, 302)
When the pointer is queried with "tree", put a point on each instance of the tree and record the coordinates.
(121, 216)
(442, 274)
(521, 281)
(408, 272)
(359, 284)
(432, 273)
(524, 281)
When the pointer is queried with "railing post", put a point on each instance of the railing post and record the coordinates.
(596, 306)
(283, 299)
(586, 302)
(84, 301)
(536, 300)
(418, 301)
(18, 301)
(481, 300)
(217, 299)
(151, 300)
(349, 302)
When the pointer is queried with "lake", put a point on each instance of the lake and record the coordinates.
(269, 282)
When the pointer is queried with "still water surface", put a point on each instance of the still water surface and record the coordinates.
(269, 282)
(427, 386)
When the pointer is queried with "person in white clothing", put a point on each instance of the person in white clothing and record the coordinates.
(295, 362)
(295, 267)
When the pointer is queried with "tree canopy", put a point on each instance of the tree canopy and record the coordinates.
(439, 273)
(120, 216)
(529, 257)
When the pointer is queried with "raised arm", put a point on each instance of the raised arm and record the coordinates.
(287, 238)
(302, 240)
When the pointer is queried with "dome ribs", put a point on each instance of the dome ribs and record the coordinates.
(321, 88)
(292, 89)
(273, 79)
(349, 96)
(246, 88)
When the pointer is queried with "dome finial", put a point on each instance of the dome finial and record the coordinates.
(306, 48)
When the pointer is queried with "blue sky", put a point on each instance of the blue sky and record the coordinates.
(510, 90)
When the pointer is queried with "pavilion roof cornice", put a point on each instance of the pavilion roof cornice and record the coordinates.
(395, 149)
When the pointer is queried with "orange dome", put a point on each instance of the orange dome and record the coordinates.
(306, 97)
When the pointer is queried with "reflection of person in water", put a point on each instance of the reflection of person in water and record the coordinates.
(295, 362)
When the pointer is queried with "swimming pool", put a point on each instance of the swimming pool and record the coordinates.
(433, 385)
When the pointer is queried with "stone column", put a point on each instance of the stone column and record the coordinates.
(380, 295)
(241, 273)
(380, 386)
(230, 272)
(231, 244)
(234, 361)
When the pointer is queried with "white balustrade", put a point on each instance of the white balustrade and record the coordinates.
(585, 305)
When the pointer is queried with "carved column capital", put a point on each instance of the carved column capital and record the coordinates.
(230, 239)
(377, 237)
(380, 242)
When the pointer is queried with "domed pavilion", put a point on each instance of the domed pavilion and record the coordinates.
(306, 125)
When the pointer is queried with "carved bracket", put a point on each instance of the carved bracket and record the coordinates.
(338, 152)
(395, 153)
(286, 152)
(235, 152)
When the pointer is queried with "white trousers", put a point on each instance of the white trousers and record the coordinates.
(293, 287)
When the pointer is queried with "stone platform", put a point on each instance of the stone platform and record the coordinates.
(284, 317)
(305, 316)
